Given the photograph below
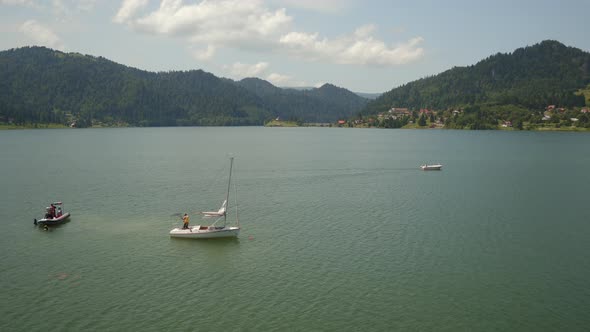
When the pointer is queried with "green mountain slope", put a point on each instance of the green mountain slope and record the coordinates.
(40, 85)
(548, 73)
(324, 104)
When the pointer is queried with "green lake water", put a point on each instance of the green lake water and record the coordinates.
(341, 230)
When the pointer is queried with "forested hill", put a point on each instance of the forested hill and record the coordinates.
(548, 73)
(317, 104)
(40, 85)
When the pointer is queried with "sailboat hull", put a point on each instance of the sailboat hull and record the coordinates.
(199, 232)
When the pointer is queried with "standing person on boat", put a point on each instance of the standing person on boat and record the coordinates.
(52, 211)
(185, 220)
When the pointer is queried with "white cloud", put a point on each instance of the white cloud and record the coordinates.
(205, 54)
(241, 70)
(41, 35)
(365, 31)
(278, 79)
(252, 25)
(60, 7)
(214, 22)
(16, 2)
(66, 10)
(26, 3)
(358, 48)
(86, 5)
(128, 9)
(323, 6)
(284, 80)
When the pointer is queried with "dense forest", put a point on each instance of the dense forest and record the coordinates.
(40, 85)
(314, 105)
(43, 86)
(518, 85)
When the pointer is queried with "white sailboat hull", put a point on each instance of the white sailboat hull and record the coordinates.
(205, 232)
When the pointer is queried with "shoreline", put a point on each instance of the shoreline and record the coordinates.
(55, 126)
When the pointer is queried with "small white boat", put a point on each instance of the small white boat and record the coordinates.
(54, 215)
(434, 167)
(213, 230)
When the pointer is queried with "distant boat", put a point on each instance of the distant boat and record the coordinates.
(54, 215)
(213, 231)
(434, 167)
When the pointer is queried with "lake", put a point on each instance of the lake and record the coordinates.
(341, 230)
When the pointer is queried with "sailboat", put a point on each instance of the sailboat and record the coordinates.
(213, 230)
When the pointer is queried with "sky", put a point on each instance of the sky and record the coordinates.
(369, 46)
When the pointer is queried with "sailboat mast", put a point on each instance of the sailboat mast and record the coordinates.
(236, 199)
(231, 163)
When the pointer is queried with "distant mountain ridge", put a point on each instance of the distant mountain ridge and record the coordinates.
(40, 85)
(309, 104)
(367, 95)
(531, 77)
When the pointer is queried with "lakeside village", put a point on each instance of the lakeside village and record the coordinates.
(500, 117)
(552, 118)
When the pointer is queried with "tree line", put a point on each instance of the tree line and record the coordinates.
(40, 85)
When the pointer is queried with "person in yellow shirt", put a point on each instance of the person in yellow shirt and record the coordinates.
(185, 220)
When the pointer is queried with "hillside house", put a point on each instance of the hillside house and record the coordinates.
(400, 111)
